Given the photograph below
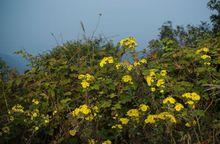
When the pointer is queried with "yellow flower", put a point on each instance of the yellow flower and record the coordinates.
(178, 107)
(6, 129)
(84, 109)
(198, 51)
(36, 128)
(169, 99)
(153, 89)
(186, 95)
(149, 80)
(152, 72)
(110, 60)
(72, 132)
(107, 142)
(163, 73)
(85, 84)
(187, 124)
(89, 77)
(118, 66)
(160, 82)
(18, 108)
(162, 115)
(89, 118)
(190, 124)
(205, 57)
(133, 113)
(106, 60)
(75, 112)
(119, 126)
(195, 96)
(205, 49)
(144, 107)
(127, 78)
(46, 120)
(34, 114)
(124, 121)
(91, 141)
(11, 118)
(143, 61)
(162, 91)
(35, 101)
(130, 67)
(190, 102)
(136, 63)
(54, 112)
(81, 76)
(150, 119)
(207, 63)
(102, 63)
(171, 118)
(129, 42)
(95, 108)
(167, 115)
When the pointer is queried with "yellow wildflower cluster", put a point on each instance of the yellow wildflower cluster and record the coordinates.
(117, 126)
(18, 108)
(127, 79)
(154, 80)
(125, 64)
(133, 113)
(83, 109)
(35, 101)
(137, 63)
(106, 60)
(192, 96)
(205, 50)
(160, 82)
(36, 128)
(35, 113)
(129, 42)
(178, 107)
(129, 67)
(124, 121)
(107, 142)
(144, 107)
(204, 56)
(163, 73)
(46, 119)
(152, 118)
(141, 61)
(86, 79)
(190, 124)
(171, 100)
(85, 112)
(91, 141)
(6, 130)
(118, 65)
(72, 132)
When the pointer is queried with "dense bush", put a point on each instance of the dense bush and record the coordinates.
(86, 92)
(83, 92)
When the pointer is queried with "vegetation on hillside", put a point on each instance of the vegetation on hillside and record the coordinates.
(84, 92)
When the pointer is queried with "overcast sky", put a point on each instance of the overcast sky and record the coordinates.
(28, 24)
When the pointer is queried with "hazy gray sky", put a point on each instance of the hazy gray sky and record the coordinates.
(27, 24)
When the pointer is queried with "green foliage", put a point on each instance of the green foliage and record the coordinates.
(83, 92)
(70, 90)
